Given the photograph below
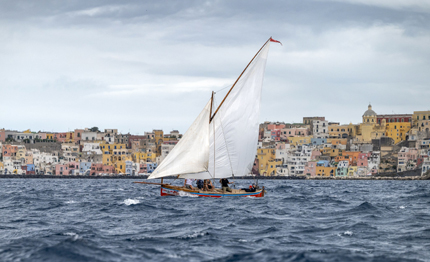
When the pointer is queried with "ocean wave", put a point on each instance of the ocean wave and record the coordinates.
(130, 201)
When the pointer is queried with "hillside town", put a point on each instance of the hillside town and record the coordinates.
(386, 143)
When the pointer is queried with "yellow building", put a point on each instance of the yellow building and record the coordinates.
(299, 140)
(159, 139)
(337, 141)
(397, 131)
(120, 167)
(137, 157)
(325, 171)
(1, 166)
(352, 171)
(20, 153)
(419, 116)
(107, 158)
(27, 131)
(264, 155)
(49, 136)
(332, 152)
(271, 167)
(113, 153)
(339, 131)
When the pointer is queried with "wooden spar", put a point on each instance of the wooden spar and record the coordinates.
(216, 111)
(149, 183)
(210, 113)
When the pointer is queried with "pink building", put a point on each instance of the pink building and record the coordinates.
(276, 134)
(362, 160)
(62, 170)
(96, 169)
(42, 135)
(108, 169)
(72, 167)
(143, 168)
(310, 168)
(407, 159)
(2, 135)
(315, 154)
(9, 150)
(60, 137)
(274, 126)
(77, 135)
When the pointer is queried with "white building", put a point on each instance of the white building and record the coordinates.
(320, 128)
(89, 148)
(165, 150)
(426, 166)
(373, 162)
(297, 159)
(89, 136)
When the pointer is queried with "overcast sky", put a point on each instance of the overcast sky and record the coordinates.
(143, 65)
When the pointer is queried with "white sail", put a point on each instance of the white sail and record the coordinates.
(236, 125)
(191, 153)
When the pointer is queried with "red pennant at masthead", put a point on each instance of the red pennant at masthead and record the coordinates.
(276, 41)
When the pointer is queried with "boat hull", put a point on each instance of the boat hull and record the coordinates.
(177, 191)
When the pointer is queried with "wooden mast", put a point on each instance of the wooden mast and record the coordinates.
(210, 119)
(216, 111)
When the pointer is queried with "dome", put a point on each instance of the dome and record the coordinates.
(369, 112)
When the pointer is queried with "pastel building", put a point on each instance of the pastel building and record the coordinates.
(407, 159)
(342, 168)
(62, 169)
(96, 169)
(426, 166)
(84, 168)
(324, 171)
(320, 129)
(310, 168)
(297, 159)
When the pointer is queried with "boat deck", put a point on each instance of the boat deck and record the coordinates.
(217, 192)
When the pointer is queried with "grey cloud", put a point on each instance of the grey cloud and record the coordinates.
(125, 63)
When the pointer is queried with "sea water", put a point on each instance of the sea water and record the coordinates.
(297, 220)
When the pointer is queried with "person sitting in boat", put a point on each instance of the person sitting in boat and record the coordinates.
(200, 184)
(224, 184)
(188, 183)
(250, 189)
(207, 186)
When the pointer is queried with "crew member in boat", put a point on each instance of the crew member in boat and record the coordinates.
(250, 189)
(188, 183)
(224, 184)
(208, 186)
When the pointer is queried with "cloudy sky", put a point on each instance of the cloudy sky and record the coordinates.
(143, 65)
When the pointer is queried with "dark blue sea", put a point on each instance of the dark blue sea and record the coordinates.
(116, 220)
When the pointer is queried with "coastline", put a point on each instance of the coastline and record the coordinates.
(392, 177)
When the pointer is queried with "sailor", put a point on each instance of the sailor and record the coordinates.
(207, 185)
(188, 183)
(200, 184)
(224, 184)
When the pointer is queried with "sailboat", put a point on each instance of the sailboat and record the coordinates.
(222, 141)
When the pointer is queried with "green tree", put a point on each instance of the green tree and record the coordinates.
(94, 129)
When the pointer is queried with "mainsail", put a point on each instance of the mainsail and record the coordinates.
(232, 131)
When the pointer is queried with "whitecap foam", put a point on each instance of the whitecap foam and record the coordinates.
(347, 233)
(73, 235)
(70, 202)
(196, 235)
(186, 194)
(402, 207)
(130, 201)
(243, 240)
